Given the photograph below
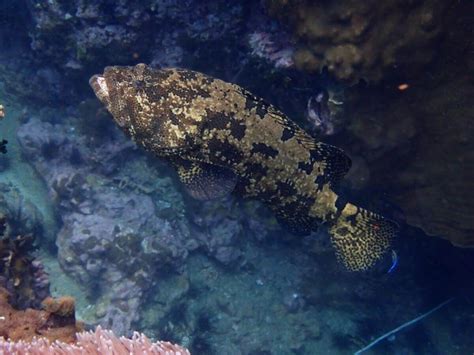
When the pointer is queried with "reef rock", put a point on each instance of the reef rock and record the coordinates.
(417, 144)
(21, 274)
(124, 220)
(362, 39)
(113, 232)
(98, 34)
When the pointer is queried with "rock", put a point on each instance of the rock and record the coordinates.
(340, 35)
(417, 145)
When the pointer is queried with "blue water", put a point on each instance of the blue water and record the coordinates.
(113, 226)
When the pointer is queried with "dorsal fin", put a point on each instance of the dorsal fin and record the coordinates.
(335, 162)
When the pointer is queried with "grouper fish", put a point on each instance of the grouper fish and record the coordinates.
(221, 138)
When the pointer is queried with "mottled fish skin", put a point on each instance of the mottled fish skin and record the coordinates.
(186, 114)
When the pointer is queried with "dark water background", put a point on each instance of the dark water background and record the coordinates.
(113, 227)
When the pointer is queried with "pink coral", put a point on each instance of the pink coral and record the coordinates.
(99, 342)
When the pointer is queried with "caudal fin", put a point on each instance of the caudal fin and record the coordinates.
(361, 237)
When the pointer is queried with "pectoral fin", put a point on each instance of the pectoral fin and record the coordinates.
(205, 181)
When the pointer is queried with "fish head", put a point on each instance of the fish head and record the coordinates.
(139, 100)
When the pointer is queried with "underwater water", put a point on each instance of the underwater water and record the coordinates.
(172, 166)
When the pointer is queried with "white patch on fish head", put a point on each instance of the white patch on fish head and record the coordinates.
(103, 85)
(98, 83)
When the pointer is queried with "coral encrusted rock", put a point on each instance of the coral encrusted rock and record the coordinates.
(361, 39)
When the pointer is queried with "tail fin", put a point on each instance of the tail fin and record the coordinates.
(361, 237)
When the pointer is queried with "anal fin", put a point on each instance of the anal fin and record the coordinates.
(205, 181)
(295, 220)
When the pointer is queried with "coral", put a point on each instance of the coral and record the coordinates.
(416, 146)
(2, 111)
(90, 171)
(362, 39)
(273, 48)
(67, 41)
(223, 222)
(25, 325)
(118, 219)
(324, 112)
(63, 306)
(408, 137)
(122, 216)
(95, 34)
(20, 273)
(55, 331)
(35, 85)
(96, 342)
(24, 217)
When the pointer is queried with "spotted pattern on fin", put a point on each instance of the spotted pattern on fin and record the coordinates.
(204, 181)
(361, 237)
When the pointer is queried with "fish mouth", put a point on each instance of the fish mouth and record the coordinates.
(101, 90)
